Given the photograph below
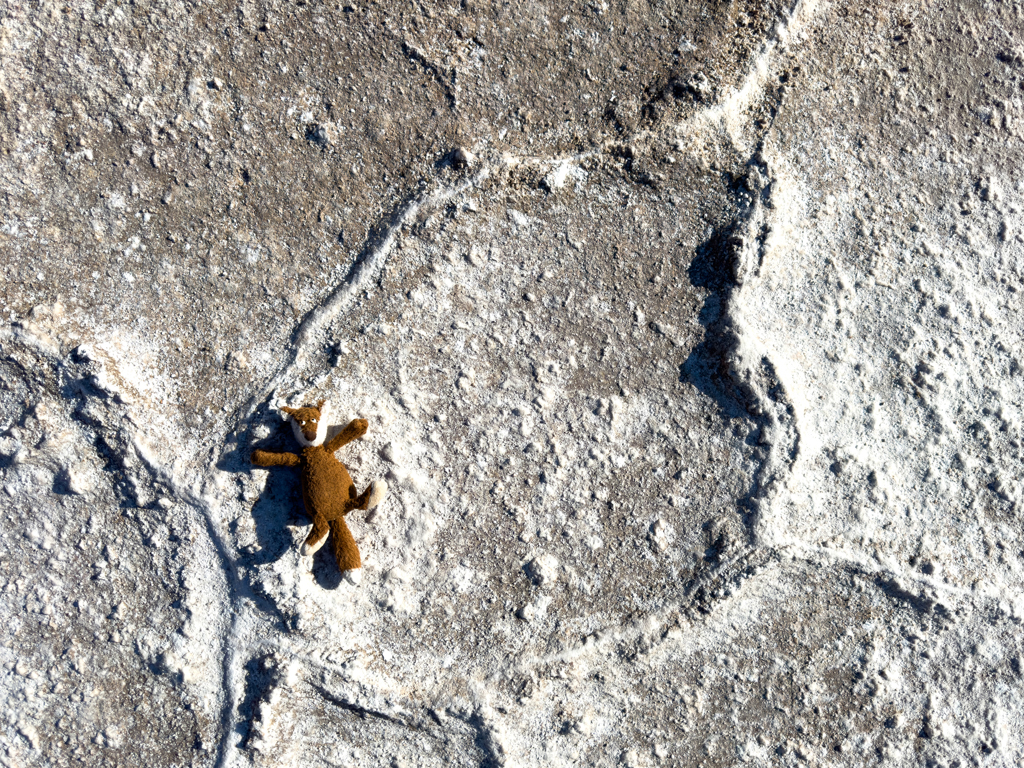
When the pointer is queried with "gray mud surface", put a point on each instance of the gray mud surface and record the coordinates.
(689, 336)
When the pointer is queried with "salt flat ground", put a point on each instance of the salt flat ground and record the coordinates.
(689, 337)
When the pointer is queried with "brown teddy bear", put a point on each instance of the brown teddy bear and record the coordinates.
(327, 489)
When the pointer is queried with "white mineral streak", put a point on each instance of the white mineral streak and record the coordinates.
(313, 324)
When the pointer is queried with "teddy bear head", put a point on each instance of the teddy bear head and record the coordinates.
(309, 424)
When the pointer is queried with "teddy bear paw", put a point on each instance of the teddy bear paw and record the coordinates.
(311, 549)
(378, 489)
(354, 576)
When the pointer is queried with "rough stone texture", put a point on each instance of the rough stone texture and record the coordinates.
(689, 337)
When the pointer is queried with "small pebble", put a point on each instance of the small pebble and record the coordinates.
(462, 158)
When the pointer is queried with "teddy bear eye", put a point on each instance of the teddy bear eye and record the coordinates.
(302, 423)
(314, 421)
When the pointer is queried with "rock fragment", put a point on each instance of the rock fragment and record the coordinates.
(542, 570)
(462, 158)
(321, 135)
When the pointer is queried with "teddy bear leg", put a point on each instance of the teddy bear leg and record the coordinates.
(358, 502)
(346, 552)
(371, 497)
(378, 490)
(316, 537)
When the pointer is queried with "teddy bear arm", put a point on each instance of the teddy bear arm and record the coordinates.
(353, 431)
(270, 459)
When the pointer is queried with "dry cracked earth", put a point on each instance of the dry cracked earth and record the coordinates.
(689, 335)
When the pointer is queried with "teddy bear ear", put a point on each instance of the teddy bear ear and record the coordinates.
(320, 404)
(286, 409)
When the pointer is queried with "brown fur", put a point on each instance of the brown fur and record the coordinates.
(328, 492)
(307, 418)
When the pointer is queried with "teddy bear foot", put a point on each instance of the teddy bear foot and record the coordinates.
(354, 576)
(378, 489)
(311, 549)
